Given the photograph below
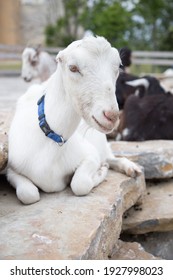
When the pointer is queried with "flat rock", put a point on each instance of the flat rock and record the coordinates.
(63, 226)
(156, 156)
(5, 119)
(3, 151)
(155, 213)
(159, 244)
(131, 251)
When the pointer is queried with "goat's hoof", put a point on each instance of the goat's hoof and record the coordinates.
(105, 165)
(134, 170)
(103, 170)
(28, 195)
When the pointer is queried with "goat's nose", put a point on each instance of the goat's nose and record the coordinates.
(111, 115)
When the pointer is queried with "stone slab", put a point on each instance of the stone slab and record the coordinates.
(159, 244)
(5, 120)
(63, 226)
(155, 213)
(131, 251)
(3, 151)
(156, 156)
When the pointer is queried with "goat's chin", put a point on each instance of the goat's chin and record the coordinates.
(102, 127)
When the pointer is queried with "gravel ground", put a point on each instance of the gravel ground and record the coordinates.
(11, 88)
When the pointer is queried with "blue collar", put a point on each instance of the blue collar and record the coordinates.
(44, 125)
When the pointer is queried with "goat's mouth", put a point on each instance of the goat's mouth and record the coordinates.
(27, 79)
(102, 127)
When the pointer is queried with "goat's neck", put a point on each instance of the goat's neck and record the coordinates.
(59, 111)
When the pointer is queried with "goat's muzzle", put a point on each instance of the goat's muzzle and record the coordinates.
(109, 121)
(111, 116)
(27, 79)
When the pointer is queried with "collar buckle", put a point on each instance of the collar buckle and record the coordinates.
(62, 141)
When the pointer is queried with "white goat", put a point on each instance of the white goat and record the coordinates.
(83, 86)
(37, 64)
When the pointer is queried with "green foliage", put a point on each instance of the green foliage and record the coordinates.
(139, 24)
(155, 18)
(108, 19)
(167, 42)
(50, 33)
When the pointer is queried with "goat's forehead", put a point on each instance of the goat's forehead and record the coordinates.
(96, 46)
(85, 55)
(28, 52)
(93, 45)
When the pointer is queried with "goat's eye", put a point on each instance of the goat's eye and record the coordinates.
(33, 62)
(73, 68)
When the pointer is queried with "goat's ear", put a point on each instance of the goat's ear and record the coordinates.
(34, 59)
(38, 49)
(60, 57)
(125, 55)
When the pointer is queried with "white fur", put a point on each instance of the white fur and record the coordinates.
(167, 80)
(35, 161)
(168, 72)
(37, 65)
(139, 82)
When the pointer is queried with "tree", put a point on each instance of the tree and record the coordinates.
(106, 18)
(138, 24)
(67, 27)
(109, 19)
(167, 42)
(153, 19)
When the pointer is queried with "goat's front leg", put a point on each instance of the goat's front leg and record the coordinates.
(88, 175)
(125, 165)
(26, 191)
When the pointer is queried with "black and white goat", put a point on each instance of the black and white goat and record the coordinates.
(128, 84)
(147, 118)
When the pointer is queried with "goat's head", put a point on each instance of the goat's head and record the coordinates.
(149, 83)
(89, 70)
(30, 60)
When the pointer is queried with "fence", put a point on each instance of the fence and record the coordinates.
(152, 58)
(9, 52)
(156, 58)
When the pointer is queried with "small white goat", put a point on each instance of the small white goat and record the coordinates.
(83, 86)
(37, 64)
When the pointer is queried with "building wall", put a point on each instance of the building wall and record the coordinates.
(32, 24)
(24, 21)
(34, 18)
(10, 22)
